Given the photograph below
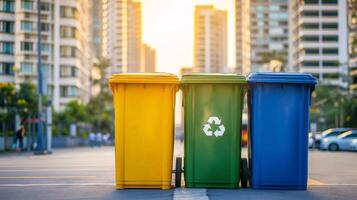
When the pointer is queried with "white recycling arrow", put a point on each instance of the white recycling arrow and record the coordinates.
(207, 127)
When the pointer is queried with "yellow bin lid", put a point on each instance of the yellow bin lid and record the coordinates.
(144, 78)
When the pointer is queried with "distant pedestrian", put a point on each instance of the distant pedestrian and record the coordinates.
(99, 139)
(106, 138)
(92, 139)
(19, 136)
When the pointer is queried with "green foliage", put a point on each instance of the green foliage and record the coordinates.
(334, 106)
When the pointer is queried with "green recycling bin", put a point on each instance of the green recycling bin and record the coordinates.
(213, 106)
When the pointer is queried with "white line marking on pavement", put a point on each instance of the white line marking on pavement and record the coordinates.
(56, 184)
(187, 194)
(44, 177)
(45, 170)
(334, 184)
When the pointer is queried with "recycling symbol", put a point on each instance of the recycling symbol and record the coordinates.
(213, 120)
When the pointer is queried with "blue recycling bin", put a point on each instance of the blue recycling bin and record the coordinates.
(278, 106)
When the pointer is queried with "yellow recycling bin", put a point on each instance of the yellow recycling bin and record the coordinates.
(144, 129)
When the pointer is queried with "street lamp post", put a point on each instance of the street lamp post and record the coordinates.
(39, 148)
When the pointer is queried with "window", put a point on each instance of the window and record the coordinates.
(26, 46)
(68, 51)
(47, 70)
(6, 68)
(310, 13)
(45, 27)
(27, 4)
(6, 47)
(310, 63)
(329, 26)
(68, 32)
(68, 12)
(330, 63)
(46, 47)
(6, 26)
(7, 5)
(330, 38)
(311, 51)
(68, 71)
(310, 26)
(310, 38)
(68, 91)
(45, 6)
(331, 76)
(279, 16)
(26, 26)
(26, 68)
(330, 13)
(311, 1)
(331, 51)
(353, 135)
(329, 1)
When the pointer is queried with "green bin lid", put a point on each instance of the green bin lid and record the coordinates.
(213, 78)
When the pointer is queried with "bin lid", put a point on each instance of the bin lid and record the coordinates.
(144, 78)
(281, 77)
(213, 78)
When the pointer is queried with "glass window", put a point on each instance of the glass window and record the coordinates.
(310, 63)
(27, 4)
(68, 12)
(68, 51)
(6, 26)
(7, 5)
(311, 1)
(6, 47)
(45, 27)
(330, 26)
(329, 1)
(330, 63)
(312, 51)
(26, 46)
(310, 13)
(331, 76)
(332, 51)
(329, 13)
(68, 32)
(6, 68)
(310, 38)
(330, 38)
(46, 47)
(45, 6)
(68, 91)
(279, 16)
(353, 135)
(26, 26)
(310, 26)
(26, 67)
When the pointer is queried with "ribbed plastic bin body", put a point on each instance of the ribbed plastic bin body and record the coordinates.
(278, 129)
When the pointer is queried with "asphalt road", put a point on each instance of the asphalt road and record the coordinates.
(85, 173)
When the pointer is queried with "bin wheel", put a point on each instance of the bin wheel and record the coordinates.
(244, 173)
(178, 172)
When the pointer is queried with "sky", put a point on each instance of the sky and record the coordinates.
(168, 27)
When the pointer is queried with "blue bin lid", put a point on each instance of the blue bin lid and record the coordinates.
(281, 77)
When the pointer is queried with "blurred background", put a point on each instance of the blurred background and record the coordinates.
(56, 57)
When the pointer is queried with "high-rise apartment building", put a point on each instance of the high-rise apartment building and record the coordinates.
(122, 35)
(269, 33)
(210, 39)
(319, 40)
(242, 29)
(148, 58)
(96, 9)
(66, 53)
(352, 42)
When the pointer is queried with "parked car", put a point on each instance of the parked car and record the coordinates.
(329, 133)
(341, 142)
(353, 145)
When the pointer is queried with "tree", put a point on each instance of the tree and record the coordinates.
(276, 60)
(101, 79)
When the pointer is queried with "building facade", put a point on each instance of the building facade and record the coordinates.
(269, 34)
(148, 58)
(352, 42)
(242, 30)
(66, 53)
(210, 39)
(122, 35)
(319, 40)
